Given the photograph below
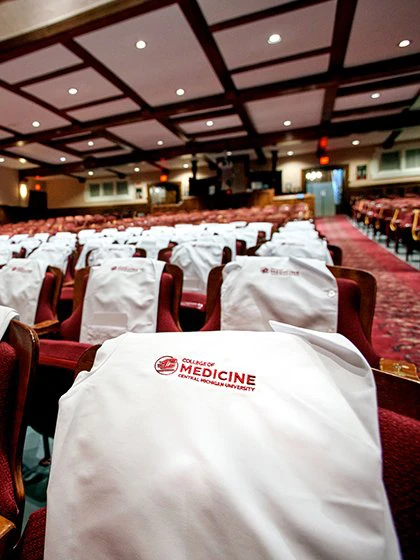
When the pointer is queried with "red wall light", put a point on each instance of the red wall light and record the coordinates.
(163, 178)
(37, 187)
(323, 141)
(324, 160)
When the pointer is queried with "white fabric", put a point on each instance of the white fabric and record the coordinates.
(121, 295)
(300, 225)
(65, 235)
(52, 255)
(91, 243)
(295, 234)
(302, 249)
(20, 285)
(249, 235)
(6, 253)
(282, 464)
(6, 315)
(134, 230)
(4, 237)
(85, 234)
(108, 232)
(196, 260)
(152, 244)
(18, 237)
(266, 227)
(301, 292)
(42, 236)
(101, 254)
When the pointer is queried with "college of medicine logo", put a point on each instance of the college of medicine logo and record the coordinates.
(166, 365)
(265, 270)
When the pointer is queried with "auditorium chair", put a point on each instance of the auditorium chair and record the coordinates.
(58, 357)
(46, 320)
(399, 436)
(18, 357)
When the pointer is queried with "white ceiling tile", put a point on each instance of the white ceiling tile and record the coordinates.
(220, 10)
(219, 122)
(387, 96)
(303, 109)
(378, 27)
(83, 145)
(304, 30)
(43, 153)
(282, 72)
(146, 134)
(21, 113)
(37, 63)
(172, 59)
(91, 85)
(104, 110)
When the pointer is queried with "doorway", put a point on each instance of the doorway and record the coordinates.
(328, 184)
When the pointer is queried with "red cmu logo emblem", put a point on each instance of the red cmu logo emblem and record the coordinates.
(166, 365)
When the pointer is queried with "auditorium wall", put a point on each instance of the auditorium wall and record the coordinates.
(9, 194)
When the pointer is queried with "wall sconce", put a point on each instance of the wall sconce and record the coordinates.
(23, 190)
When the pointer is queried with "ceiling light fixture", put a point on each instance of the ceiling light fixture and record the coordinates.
(287, 123)
(2, 160)
(185, 165)
(180, 91)
(91, 143)
(22, 160)
(209, 123)
(159, 142)
(141, 44)
(355, 142)
(73, 91)
(274, 39)
(36, 124)
(136, 169)
(228, 153)
(375, 95)
(290, 153)
(90, 173)
(404, 43)
(63, 158)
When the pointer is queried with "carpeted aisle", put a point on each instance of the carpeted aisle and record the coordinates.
(396, 325)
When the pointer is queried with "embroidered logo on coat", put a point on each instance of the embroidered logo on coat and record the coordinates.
(166, 365)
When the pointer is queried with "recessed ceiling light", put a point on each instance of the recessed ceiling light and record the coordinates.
(290, 153)
(355, 142)
(2, 160)
(228, 153)
(22, 160)
(73, 91)
(180, 91)
(274, 39)
(159, 142)
(185, 165)
(287, 123)
(375, 95)
(209, 123)
(90, 173)
(404, 43)
(137, 169)
(91, 143)
(141, 44)
(63, 158)
(36, 124)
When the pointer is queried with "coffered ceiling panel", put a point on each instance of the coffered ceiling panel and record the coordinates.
(21, 113)
(302, 109)
(379, 26)
(43, 153)
(146, 135)
(104, 110)
(91, 145)
(221, 10)
(282, 72)
(304, 30)
(172, 58)
(4, 134)
(386, 96)
(221, 136)
(409, 134)
(37, 63)
(218, 123)
(369, 139)
(372, 115)
(91, 86)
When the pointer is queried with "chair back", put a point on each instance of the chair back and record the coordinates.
(49, 295)
(18, 358)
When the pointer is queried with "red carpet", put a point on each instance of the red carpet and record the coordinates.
(396, 327)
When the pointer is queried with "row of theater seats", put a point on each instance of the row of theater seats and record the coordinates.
(398, 219)
(276, 214)
(59, 356)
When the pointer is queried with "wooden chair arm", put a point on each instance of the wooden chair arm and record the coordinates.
(51, 326)
(399, 368)
(6, 527)
(68, 284)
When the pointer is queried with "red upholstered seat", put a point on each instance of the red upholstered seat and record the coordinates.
(8, 361)
(46, 310)
(31, 545)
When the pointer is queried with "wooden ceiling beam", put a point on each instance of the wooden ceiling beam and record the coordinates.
(95, 103)
(52, 75)
(264, 14)
(390, 83)
(205, 116)
(335, 130)
(395, 105)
